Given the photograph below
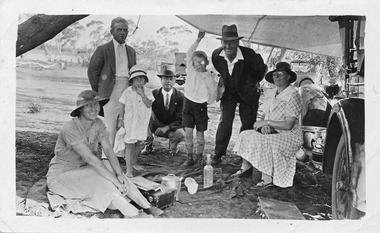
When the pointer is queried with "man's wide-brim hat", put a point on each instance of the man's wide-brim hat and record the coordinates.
(282, 66)
(136, 71)
(167, 70)
(88, 97)
(229, 33)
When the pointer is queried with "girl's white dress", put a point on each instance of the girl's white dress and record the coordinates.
(136, 116)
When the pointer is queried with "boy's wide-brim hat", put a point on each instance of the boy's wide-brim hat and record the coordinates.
(136, 71)
(282, 66)
(87, 97)
(229, 33)
(167, 70)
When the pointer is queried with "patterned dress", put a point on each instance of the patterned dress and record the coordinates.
(274, 154)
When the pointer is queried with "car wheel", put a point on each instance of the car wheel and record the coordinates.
(341, 192)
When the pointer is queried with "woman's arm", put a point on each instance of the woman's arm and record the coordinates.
(286, 124)
(112, 158)
(92, 160)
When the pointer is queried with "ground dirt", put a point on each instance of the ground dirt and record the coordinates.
(45, 97)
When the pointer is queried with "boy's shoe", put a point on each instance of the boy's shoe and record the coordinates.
(147, 149)
(189, 161)
(172, 153)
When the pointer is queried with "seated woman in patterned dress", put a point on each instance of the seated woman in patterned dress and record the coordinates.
(77, 179)
(271, 146)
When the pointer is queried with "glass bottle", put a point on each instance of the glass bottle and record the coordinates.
(208, 173)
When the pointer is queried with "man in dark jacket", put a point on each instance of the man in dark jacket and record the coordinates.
(166, 119)
(108, 72)
(241, 70)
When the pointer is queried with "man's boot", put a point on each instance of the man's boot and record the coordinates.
(189, 161)
(215, 160)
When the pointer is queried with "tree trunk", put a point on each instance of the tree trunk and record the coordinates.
(41, 28)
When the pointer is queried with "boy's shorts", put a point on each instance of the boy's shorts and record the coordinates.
(194, 114)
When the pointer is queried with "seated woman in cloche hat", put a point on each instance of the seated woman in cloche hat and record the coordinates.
(77, 179)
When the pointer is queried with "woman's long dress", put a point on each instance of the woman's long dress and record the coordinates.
(73, 184)
(274, 154)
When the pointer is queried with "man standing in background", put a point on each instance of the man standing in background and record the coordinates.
(108, 72)
(241, 70)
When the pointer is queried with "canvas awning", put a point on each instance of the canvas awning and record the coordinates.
(314, 34)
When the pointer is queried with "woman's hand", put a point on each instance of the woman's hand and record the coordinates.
(266, 129)
(123, 188)
(259, 124)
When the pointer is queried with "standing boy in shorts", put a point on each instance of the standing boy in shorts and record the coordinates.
(200, 90)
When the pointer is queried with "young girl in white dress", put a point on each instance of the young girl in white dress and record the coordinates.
(134, 116)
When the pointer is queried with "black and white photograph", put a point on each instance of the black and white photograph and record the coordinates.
(189, 116)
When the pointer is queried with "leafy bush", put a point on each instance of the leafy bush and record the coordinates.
(34, 108)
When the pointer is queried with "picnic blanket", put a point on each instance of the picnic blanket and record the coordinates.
(37, 198)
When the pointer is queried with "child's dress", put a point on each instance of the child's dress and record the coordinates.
(136, 116)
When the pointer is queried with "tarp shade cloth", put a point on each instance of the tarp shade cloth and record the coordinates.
(314, 34)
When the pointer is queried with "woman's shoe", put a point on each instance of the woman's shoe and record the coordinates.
(240, 173)
(236, 174)
(262, 185)
(141, 214)
(138, 168)
(154, 211)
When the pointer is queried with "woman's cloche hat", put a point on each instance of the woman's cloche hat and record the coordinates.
(230, 33)
(282, 66)
(137, 70)
(87, 97)
(167, 70)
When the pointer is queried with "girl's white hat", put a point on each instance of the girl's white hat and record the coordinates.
(137, 70)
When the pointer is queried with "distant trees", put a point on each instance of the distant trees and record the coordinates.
(41, 28)
(160, 46)
(329, 70)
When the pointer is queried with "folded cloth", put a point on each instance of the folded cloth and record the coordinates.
(119, 141)
(37, 195)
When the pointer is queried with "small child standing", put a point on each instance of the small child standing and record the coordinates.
(200, 90)
(134, 115)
